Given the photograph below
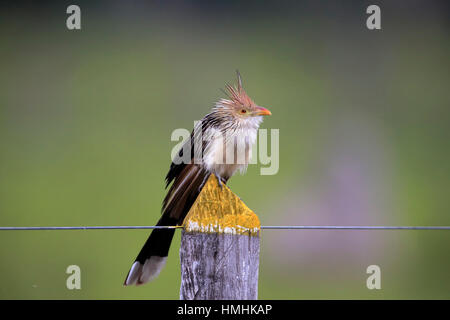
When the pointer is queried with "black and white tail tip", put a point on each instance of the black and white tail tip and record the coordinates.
(143, 273)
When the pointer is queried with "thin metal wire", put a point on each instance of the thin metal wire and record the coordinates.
(360, 227)
(262, 227)
(90, 228)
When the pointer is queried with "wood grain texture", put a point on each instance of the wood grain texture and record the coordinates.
(219, 266)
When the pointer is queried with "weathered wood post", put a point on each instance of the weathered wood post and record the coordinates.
(219, 247)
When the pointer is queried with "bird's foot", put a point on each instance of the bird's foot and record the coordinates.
(219, 179)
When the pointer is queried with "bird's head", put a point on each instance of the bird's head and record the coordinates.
(239, 106)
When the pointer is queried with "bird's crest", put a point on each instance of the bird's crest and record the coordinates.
(237, 95)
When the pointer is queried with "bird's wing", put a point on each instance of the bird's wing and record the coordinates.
(194, 141)
(184, 191)
(188, 180)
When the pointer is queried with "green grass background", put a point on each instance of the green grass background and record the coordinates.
(86, 118)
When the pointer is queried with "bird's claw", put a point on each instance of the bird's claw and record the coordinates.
(219, 179)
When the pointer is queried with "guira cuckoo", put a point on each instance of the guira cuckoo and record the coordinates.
(232, 125)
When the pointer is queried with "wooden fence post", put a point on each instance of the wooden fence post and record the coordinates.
(219, 247)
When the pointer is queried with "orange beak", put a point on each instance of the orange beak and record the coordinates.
(260, 111)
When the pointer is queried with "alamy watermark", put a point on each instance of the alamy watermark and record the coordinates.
(73, 22)
(373, 22)
(213, 146)
(374, 280)
(74, 280)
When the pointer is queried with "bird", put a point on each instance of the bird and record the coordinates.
(231, 126)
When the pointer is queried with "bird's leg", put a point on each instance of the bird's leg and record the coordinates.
(219, 179)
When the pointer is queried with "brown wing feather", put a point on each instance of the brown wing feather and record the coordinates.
(184, 191)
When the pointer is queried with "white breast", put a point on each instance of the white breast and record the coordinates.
(225, 154)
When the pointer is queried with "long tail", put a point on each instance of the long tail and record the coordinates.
(153, 255)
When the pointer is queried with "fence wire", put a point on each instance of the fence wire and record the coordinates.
(262, 227)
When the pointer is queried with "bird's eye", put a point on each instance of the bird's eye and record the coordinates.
(243, 111)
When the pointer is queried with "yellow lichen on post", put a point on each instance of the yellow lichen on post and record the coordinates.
(219, 210)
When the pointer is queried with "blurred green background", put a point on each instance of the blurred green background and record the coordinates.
(86, 118)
